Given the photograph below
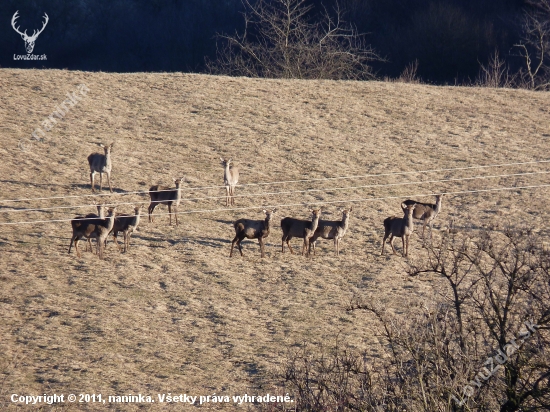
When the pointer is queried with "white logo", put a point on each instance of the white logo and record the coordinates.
(29, 40)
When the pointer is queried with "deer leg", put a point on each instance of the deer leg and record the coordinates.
(92, 178)
(261, 242)
(109, 180)
(391, 244)
(312, 246)
(176, 214)
(384, 243)
(336, 245)
(70, 244)
(227, 195)
(150, 210)
(239, 246)
(127, 245)
(116, 242)
(170, 213)
(423, 229)
(100, 181)
(403, 239)
(76, 247)
(288, 244)
(232, 244)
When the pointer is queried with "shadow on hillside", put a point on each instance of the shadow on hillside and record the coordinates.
(227, 222)
(85, 186)
(212, 242)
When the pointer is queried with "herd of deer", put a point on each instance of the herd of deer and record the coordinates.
(99, 226)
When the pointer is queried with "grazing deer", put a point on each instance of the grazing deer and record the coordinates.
(101, 163)
(331, 229)
(303, 229)
(252, 229)
(126, 224)
(230, 180)
(426, 211)
(402, 227)
(82, 228)
(166, 196)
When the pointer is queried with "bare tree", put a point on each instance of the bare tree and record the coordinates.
(534, 47)
(281, 40)
(482, 345)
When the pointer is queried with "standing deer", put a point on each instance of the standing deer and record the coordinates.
(126, 224)
(303, 229)
(101, 163)
(230, 180)
(102, 229)
(399, 227)
(426, 211)
(82, 227)
(331, 229)
(166, 196)
(29, 40)
(92, 227)
(252, 229)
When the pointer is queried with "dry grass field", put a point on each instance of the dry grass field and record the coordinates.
(175, 314)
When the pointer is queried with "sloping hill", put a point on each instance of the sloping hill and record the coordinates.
(176, 314)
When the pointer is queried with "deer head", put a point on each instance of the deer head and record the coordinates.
(29, 40)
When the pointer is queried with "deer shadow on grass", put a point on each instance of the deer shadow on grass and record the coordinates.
(85, 186)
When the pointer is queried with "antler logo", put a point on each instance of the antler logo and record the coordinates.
(29, 40)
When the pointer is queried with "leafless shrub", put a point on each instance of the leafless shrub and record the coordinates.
(409, 74)
(280, 40)
(467, 351)
(495, 74)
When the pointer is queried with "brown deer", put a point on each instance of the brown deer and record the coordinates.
(230, 180)
(101, 163)
(166, 196)
(402, 227)
(127, 225)
(303, 229)
(332, 229)
(426, 212)
(252, 229)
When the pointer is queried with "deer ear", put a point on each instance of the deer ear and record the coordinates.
(101, 145)
(265, 211)
(351, 209)
(403, 206)
(221, 158)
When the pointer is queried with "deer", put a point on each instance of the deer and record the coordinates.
(303, 229)
(331, 229)
(126, 224)
(230, 180)
(101, 163)
(166, 196)
(426, 212)
(102, 229)
(399, 227)
(82, 229)
(29, 40)
(252, 229)
(92, 226)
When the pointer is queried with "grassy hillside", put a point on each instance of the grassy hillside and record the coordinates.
(176, 314)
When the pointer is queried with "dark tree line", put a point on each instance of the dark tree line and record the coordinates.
(448, 38)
